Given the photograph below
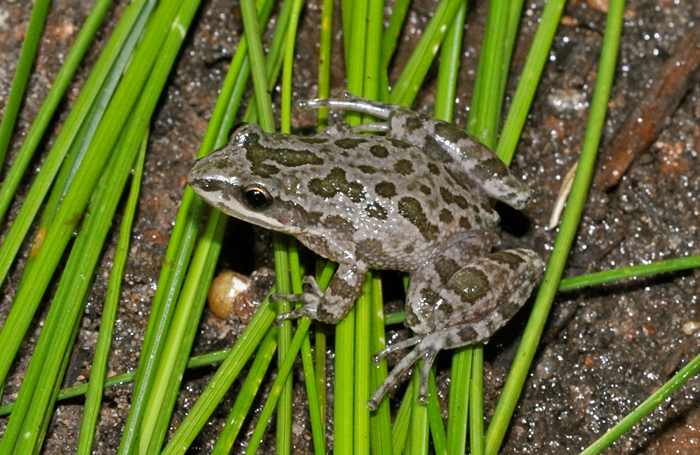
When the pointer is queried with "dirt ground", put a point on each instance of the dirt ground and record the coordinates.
(604, 350)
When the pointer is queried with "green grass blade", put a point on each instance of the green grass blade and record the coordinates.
(55, 342)
(418, 440)
(402, 422)
(284, 340)
(276, 390)
(123, 39)
(181, 335)
(236, 359)
(257, 61)
(245, 398)
(362, 369)
(283, 373)
(635, 271)
(437, 429)
(529, 80)
(458, 406)
(343, 406)
(288, 67)
(373, 53)
(380, 423)
(448, 72)
(58, 88)
(24, 67)
(408, 84)
(34, 283)
(484, 116)
(476, 401)
(98, 372)
(515, 10)
(126, 378)
(393, 31)
(545, 296)
(324, 60)
(641, 411)
(357, 37)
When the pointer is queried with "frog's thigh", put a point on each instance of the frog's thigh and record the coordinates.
(425, 284)
(480, 298)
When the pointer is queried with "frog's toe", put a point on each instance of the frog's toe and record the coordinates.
(427, 349)
(315, 288)
(381, 355)
(310, 300)
(306, 310)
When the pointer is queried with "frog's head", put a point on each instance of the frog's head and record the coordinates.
(244, 180)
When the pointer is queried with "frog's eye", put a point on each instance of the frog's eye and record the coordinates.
(256, 197)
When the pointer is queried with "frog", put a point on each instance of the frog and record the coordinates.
(413, 197)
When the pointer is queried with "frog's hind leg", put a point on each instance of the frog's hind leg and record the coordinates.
(475, 302)
(351, 102)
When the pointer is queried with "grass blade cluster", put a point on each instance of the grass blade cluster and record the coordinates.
(90, 163)
(570, 220)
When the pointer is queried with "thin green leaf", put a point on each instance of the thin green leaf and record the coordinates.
(645, 408)
(635, 271)
(487, 99)
(570, 220)
(450, 53)
(181, 335)
(380, 423)
(399, 431)
(324, 60)
(418, 440)
(362, 393)
(118, 50)
(476, 401)
(24, 66)
(529, 80)
(437, 429)
(58, 88)
(244, 400)
(93, 398)
(223, 378)
(408, 84)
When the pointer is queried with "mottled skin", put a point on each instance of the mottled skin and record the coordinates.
(413, 201)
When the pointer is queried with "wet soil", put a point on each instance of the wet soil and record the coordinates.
(603, 351)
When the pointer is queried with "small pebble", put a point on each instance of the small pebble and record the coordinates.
(224, 290)
(690, 327)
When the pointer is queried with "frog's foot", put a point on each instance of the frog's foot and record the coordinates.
(427, 348)
(311, 300)
(350, 102)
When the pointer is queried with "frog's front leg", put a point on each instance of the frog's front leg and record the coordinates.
(474, 303)
(330, 306)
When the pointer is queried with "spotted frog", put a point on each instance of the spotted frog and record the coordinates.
(414, 200)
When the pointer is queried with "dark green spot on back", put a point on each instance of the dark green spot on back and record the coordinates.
(403, 167)
(379, 151)
(335, 183)
(385, 189)
(412, 210)
(349, 142)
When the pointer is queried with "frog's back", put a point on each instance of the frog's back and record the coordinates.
(381, 195)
